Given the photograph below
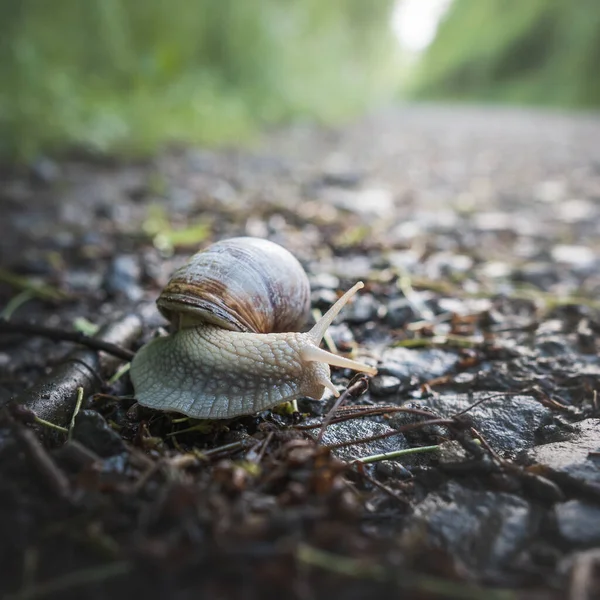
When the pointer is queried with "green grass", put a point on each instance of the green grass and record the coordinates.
(528, 52)
(129, 76)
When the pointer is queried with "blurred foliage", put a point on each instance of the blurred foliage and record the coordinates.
(128, 75)
(525, 51)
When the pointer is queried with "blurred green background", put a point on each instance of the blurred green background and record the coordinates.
(525, 51)
(131, 75)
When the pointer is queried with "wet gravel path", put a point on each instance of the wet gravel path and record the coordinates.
(477, 233)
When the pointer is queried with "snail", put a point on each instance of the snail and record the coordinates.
(236, 308)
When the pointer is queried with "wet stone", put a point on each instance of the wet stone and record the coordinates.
(356, 429)
(414, 367)
(341, 178)
(510, 424)
(363, 309)
(46, 171)
(94, 433)
(580, 258)
(323, 299)
(541, 275)
(122, 278)
(578, 522)
(571, 458)
(325, 281)
(450, 453)
(399, 312)
(384, 385)
(485, 531)
(342, 336)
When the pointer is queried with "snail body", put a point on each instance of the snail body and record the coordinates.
(236, 308)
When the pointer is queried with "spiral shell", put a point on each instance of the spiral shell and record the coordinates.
(240, 284)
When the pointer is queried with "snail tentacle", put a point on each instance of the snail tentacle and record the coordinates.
(320, 328)
(312, 353)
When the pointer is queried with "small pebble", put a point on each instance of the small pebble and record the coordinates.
(399, 313)
(578, 522)
(384, 385)
(94, 433)
(362, 309)
(122, 278)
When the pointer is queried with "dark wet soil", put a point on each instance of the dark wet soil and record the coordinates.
(477, 233)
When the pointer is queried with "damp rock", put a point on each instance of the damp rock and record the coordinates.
(82, 280)
(414, 367)
(580, 258)
(325, 281)
(540, 274)
(92, 430)
(341, 178)
(45, 171)
(363, 309)
(574, 460)
(323, 299)
(399, 312)
(354, 430)
(122, 278)
(371, 202)
(485, 531)
(342, 336)
(384, 385)
(451, 453)
(510, 424)
(578, 523)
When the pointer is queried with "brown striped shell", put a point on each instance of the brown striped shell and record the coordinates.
(241, 284)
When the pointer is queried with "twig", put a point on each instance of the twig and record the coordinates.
(394, 455)
(55, 479)
(423, 584)
(341, 565)
(256, 456)
(119, 373)
(485, 399)
(45, 423)
(352, 412)
(15, 303)
(355, 389)
(75, 579)
(61, 335)
(42, 291)
(395, 431)
(381, 486)
(75, 412)
(53, 397)
(226, 448)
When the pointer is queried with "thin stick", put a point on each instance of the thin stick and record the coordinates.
(75, 412)
(349, 413)
(61, 335)
(75, 579)
(394, 455)
(355, 389)
(45, 423)
(15, 303)
(54, 478)
(384, 488)
(395, 431)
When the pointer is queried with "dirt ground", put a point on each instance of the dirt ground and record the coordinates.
(477, 234)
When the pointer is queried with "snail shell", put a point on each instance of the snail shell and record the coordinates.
(236, 308)
(240, 284)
